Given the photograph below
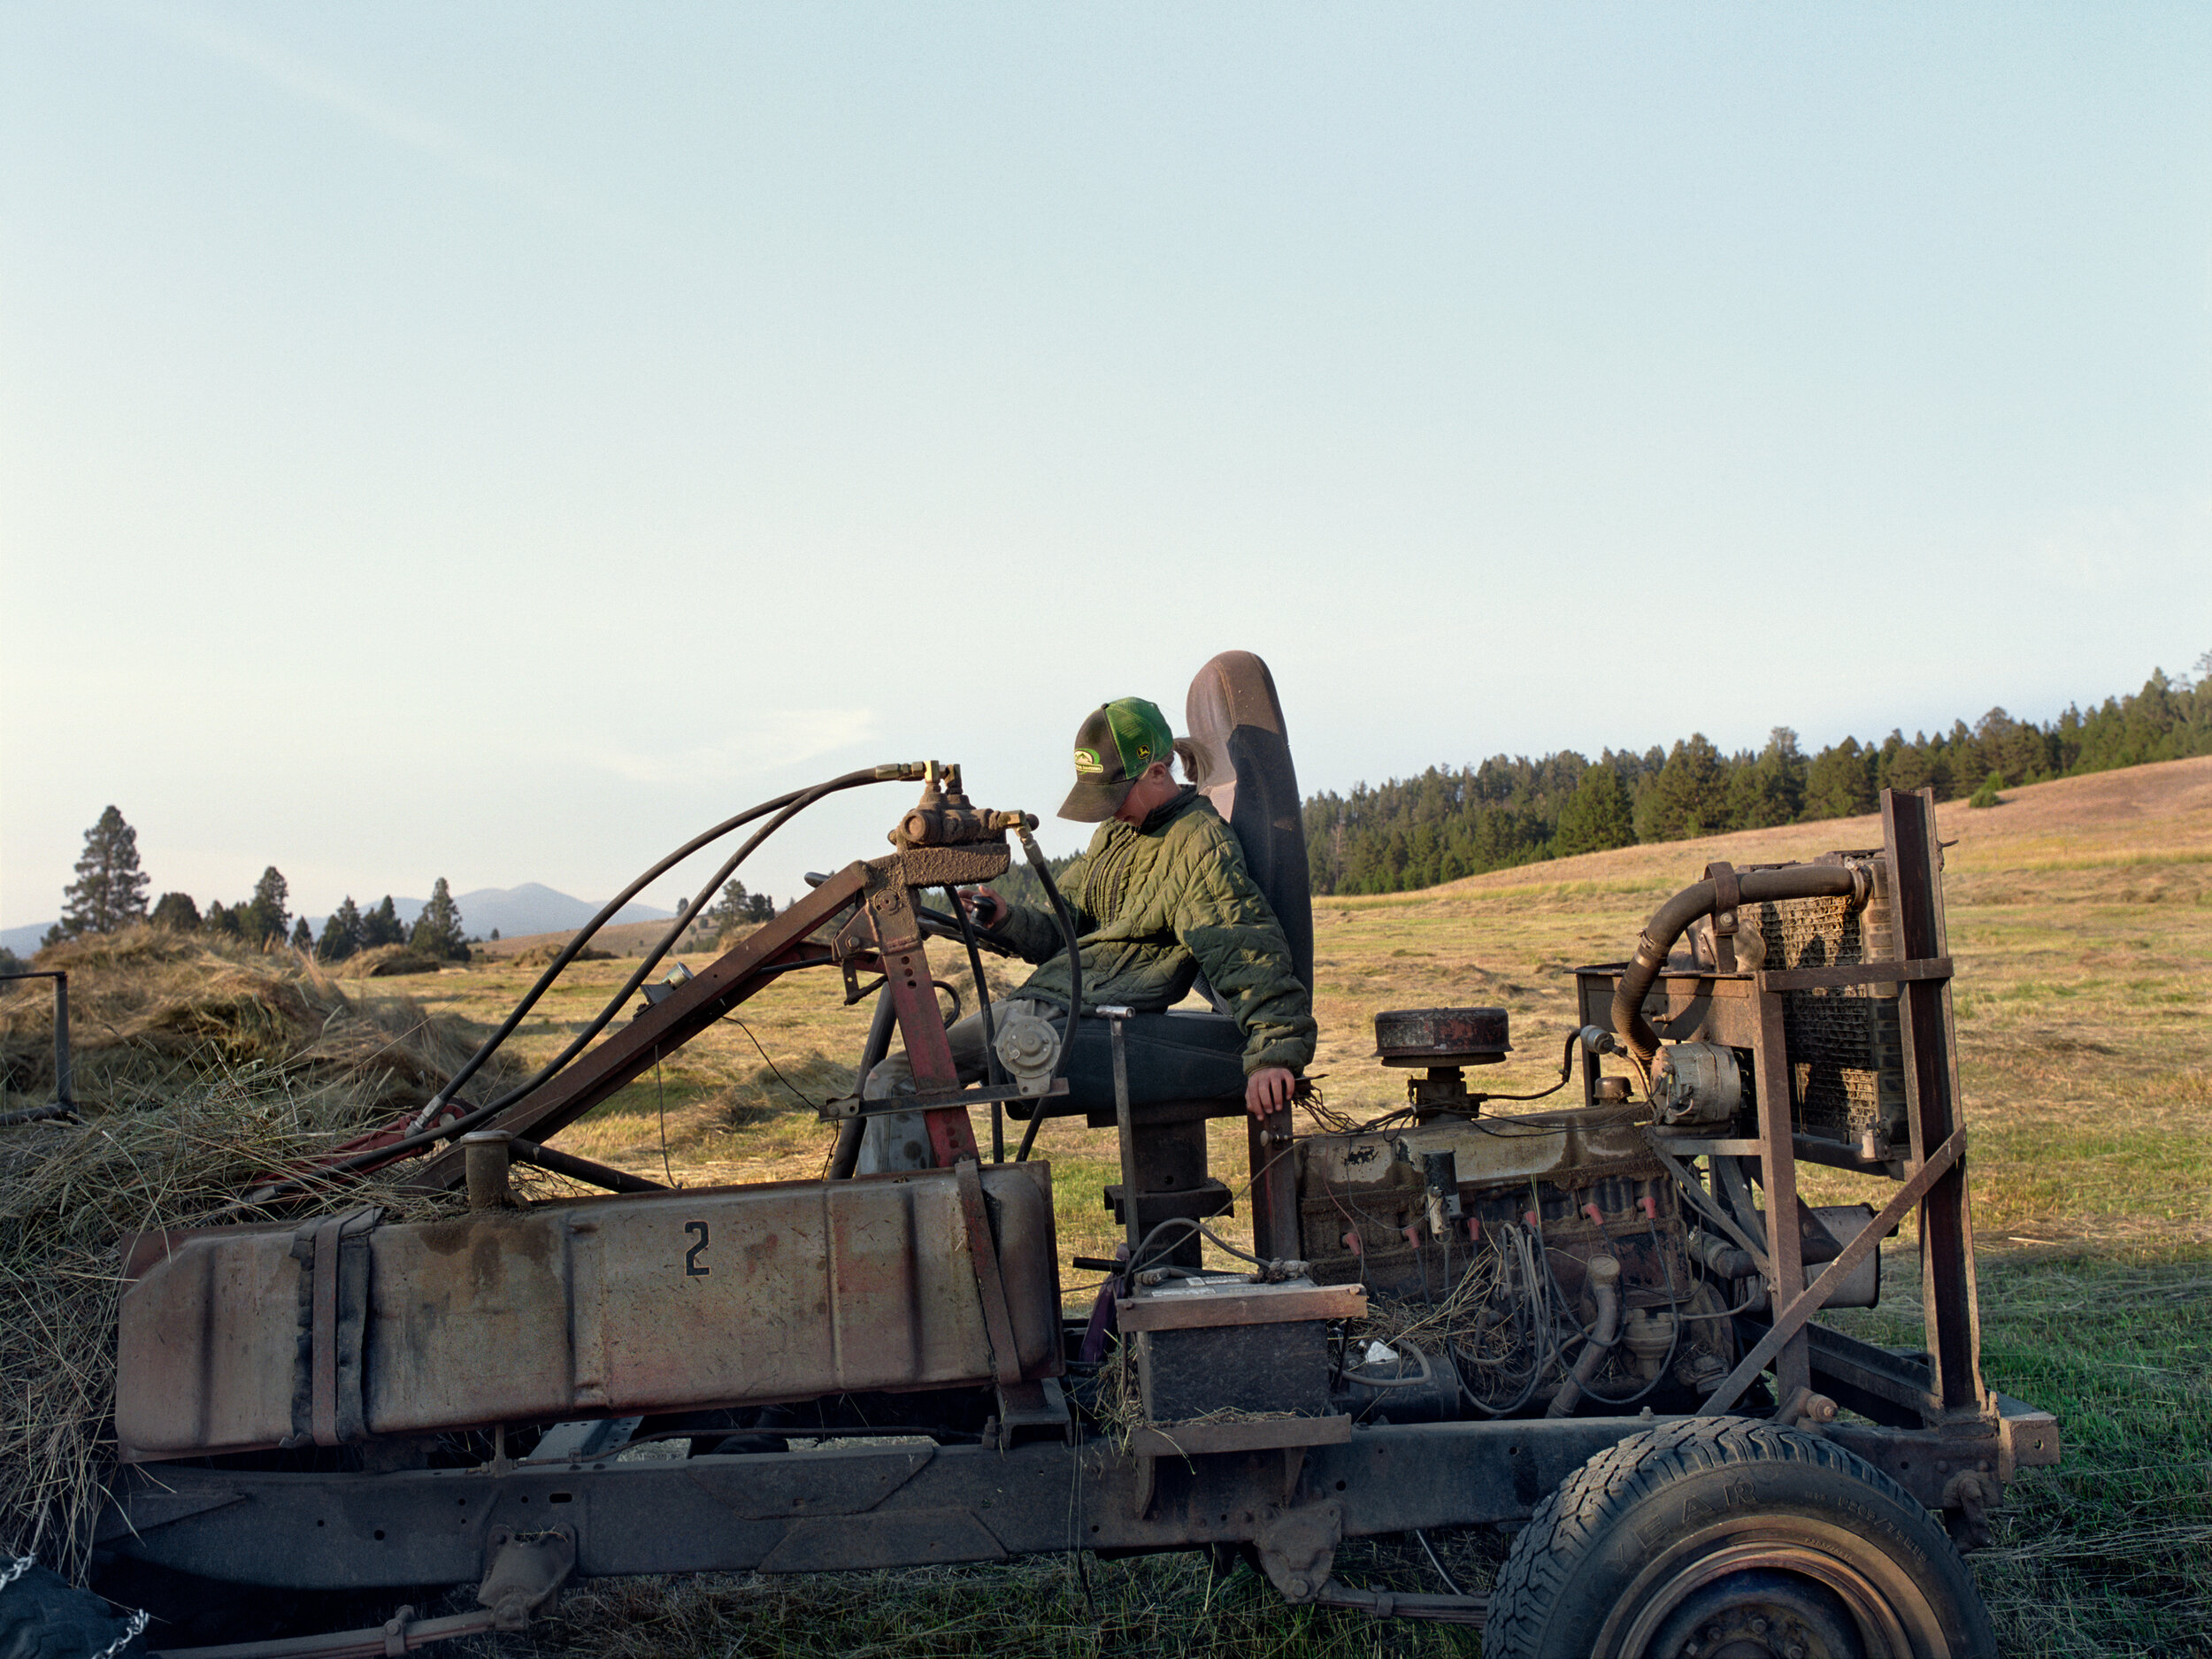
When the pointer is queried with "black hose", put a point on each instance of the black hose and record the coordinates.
(1754, 886)
(846, 1156)
(990, 1030)
(584, 935)
(1037, 862)
(1566, 1070)
(415, 1141)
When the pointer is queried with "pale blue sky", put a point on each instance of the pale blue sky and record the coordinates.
(493, 442)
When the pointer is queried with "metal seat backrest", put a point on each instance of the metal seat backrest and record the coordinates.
(1238, 756)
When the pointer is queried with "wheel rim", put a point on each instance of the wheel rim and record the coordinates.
(1799, 1589)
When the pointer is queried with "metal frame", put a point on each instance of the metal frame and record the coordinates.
(64, 1075)
(1038, 1482)
(1745, 1008)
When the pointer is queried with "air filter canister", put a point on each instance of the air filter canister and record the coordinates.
(1442, 1036)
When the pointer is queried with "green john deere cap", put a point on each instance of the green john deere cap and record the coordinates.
(1118, 741)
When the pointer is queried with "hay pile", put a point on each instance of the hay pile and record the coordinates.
(198, 1069)
(389, 962)
(542, 955)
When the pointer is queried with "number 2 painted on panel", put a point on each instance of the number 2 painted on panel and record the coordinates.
(694, 1268)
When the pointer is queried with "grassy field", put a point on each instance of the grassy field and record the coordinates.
(2081, 919)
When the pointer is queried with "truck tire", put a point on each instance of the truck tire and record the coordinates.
(1722, 1536)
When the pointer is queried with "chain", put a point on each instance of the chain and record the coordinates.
(134, 1627)
(131, 1632)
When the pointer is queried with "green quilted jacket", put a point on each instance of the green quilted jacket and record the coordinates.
(1156, 905)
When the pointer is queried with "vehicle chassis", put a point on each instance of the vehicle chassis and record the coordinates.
(1044, 1479)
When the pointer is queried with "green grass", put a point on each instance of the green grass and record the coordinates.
(1045, 1607)
(2111, 1552)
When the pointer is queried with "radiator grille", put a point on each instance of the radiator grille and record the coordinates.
(1846, 1059)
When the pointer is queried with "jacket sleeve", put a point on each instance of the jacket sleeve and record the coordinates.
(1225, 921)
(1035, 930)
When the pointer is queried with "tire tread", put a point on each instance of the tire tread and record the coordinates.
(1582, 1509)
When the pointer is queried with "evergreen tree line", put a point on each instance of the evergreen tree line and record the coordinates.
(1417, 832)
(721, 922)
(110, 895)
(348, 930)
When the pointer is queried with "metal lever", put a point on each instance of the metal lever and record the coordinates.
(1130, 1208)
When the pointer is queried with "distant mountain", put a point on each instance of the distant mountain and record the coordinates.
(531, 908)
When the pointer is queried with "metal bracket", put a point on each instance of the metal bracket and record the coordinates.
(998, 1319)
(1034, 1410)
(1297, 1547)
(839, 1107)
(1809, 1301)
(1727, 906)
(525, 1574)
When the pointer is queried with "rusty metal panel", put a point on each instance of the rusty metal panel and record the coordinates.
(204, 1352)
(469, 1321)
(1194, 1303)
(646, 1302)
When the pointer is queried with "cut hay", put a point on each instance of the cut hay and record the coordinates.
(542, 955)
(198, 1070)
(390, 961)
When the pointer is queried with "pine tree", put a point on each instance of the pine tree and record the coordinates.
(342, 934)
(110, 891)
(1597, 816)
(224, 921)
(437, 931)
(728, 912)
(1770, 789)
(176, 912)
(303, 936)
(382, 926)
(1840, 782)
(1688, 797)
(1910, 768)
(267, 915)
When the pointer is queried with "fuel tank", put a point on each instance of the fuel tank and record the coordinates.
(342, 1330)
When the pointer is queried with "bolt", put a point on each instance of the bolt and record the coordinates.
(1758, 1625)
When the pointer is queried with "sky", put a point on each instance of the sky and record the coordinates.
(497, 442)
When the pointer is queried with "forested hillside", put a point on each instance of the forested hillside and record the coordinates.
(1447, 822)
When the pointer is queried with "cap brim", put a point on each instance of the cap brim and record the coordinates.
(1095, 802)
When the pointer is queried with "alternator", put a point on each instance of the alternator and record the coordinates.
(1696, 1083)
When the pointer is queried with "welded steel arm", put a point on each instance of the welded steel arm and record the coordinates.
(665, 1026)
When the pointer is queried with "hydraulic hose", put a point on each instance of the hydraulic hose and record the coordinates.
(1031, 851)
(790, 806)
(991, 1069)
(796, 798)
(1667, 923)
(845, 1157)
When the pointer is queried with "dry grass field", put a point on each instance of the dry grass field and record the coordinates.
(2081, 917)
